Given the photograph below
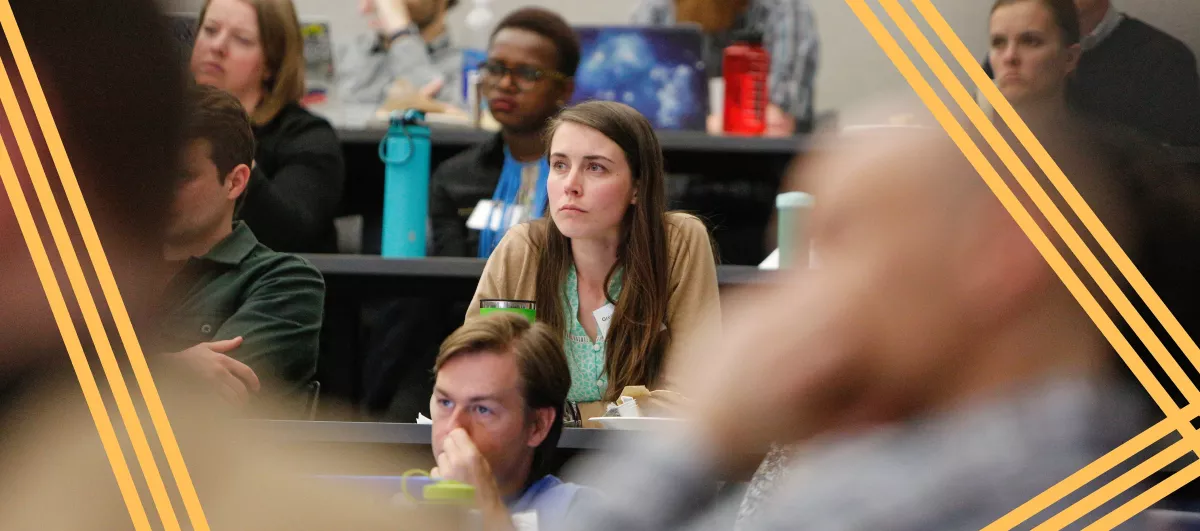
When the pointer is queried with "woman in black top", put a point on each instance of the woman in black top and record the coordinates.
(254, 50)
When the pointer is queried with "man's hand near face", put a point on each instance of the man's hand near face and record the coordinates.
(233, 379)
(461, 461)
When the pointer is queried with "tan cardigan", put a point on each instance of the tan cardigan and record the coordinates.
(694, 305)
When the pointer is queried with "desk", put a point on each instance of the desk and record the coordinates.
(379, 452)
(671, 141)
(301, 431)
(356, 124)
(454, 277)
(433, 295)
(729, 180)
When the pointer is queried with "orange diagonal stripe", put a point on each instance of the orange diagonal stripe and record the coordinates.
(1013, 206)
(1042, 200)
(1086, 215)
(1088, 473)
(1060, 182)
(1074, 242)
(935, 104)
(62, 316)
(104, 273)
(91, 317)
(1144, 500)
(1121, 484)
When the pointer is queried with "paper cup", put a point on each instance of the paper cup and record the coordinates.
(793, 237)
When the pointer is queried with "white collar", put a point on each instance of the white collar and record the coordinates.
(1108, 24)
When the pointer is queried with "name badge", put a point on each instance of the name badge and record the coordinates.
(487, 214)
(604, 318)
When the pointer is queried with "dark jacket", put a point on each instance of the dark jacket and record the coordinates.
(1141, 78)
(296, 188)
(240, 288)
(455, 188)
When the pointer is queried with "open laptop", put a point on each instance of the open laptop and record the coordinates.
(659, 71)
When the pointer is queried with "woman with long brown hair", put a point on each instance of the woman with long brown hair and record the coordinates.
(253, 49)
(625, 283)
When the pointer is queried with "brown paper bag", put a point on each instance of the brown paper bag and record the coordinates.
(589, 410)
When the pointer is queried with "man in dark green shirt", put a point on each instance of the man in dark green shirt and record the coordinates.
(235, 311)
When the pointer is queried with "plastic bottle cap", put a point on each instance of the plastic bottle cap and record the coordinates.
(793, 200)
(407, 116)
(448, 491)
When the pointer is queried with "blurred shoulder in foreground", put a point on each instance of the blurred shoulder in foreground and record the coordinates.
(118, 107)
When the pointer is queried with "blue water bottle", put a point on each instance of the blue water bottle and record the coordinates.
(405, 152)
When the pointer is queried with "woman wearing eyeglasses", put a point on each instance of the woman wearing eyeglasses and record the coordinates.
(526, 80)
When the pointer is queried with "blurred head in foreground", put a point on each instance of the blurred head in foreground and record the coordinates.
(926, 285)
(933, 290)
(928, 295)
(118, 112)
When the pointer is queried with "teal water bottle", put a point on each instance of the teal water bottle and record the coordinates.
(406, 152)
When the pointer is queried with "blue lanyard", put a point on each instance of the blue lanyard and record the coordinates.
(505, 196)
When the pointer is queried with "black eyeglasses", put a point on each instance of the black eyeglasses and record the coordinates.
(524, 77)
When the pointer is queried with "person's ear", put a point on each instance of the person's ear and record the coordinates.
(543, 420)
(633, 200)
(236, 181)
(1074, 52)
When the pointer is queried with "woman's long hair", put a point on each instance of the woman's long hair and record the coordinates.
(636, 340)
(283, 54)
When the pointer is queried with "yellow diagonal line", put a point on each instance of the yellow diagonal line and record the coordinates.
(931, 99)
(1118, 485)
(1042, 200)
(58, 306)
(1143, 501)
(1013, 206)
(1060, 182)
(1090, 472)
(1074, 242)
(104, 273)
(62, 241)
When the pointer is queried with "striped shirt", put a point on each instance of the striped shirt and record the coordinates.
(789, 33)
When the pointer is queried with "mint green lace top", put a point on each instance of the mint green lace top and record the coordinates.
(584, 356)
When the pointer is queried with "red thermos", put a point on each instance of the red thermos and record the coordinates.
(745, 68)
